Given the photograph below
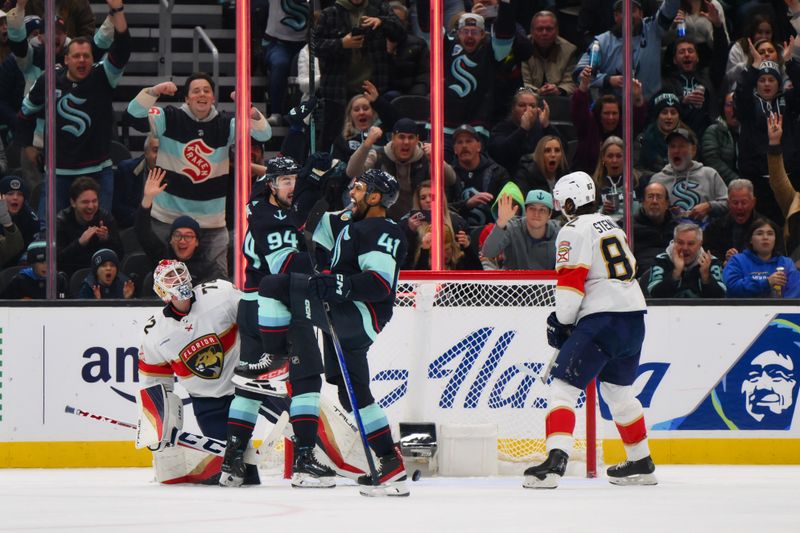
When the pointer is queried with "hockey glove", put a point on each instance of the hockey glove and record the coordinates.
(330, 287)
(557, 333)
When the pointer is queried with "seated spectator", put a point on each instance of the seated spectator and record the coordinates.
(542, 168)
(3, 158)
(106, 281)
(727, 235)
(650, 150)
(11, 243)
(704, 22)
(30, 283)
(610, 181)
(596, 122)
(13, 190)
(284, 36)
(754, 273)
(693, 85)
(526, 242)
(549, 69)
(720, 141)
(194, 141)
(83, 227)
(184, 241)
(77, 15)
(129, 179)
(404, 157)
(759, 95)
(522, 130)
(787, 197)
(653, 227)
(646, 43)
(409, 60)
(4, 49)
(685, 270)
(478, 178)
(458, 255)
(695, 191)
(362, 112)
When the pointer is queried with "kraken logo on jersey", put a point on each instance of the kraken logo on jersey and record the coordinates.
(344, 235)
(194, 154)
(686, 197)
(80, 121)
(467, 82)
(297, 15)
(204, 357)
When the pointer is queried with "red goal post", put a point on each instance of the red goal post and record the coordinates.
(468, 347)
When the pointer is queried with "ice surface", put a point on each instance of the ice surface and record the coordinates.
(688, 499)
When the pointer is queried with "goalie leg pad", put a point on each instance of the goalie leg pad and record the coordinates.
(177, 464)
(160, 417)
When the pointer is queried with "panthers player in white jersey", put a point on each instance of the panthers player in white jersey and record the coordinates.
(598, 328)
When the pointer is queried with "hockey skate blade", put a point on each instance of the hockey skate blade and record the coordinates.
(636, 479)
(307, 481)
(265, 387)
(392, 490)
(227, 480)
(550, 481)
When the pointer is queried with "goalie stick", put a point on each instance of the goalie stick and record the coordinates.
(200, 443)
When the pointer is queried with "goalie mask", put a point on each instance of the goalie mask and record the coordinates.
(171, 279)
(576, 186)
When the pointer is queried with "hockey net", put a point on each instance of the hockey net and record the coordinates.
(467, 349)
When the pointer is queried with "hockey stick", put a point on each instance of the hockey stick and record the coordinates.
(196, 442)
(546, 374)
(351, 395)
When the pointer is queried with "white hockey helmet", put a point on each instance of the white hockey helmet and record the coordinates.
(171, 279)
(576, 186)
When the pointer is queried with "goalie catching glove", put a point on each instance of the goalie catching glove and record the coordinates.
(557, 333)
(330, 287)
(160, 417)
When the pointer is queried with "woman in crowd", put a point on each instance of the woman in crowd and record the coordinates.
(362, 112)
(609, 179)
(761, 271)
(761, 29)
(596, 122)
(542, 168)
(651, 146)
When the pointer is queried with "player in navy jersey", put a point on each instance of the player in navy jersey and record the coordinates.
(598, 328)
(362, 251)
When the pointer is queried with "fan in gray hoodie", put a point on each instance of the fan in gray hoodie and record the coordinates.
(695, 191)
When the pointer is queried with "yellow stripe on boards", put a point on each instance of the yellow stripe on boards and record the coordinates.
(713, 451)
(72, 454)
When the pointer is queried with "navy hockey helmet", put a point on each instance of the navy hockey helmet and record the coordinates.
(381, 181)
(281, 166)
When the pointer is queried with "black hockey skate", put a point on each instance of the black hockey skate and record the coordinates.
(266, 376)
(391, 477)
(308, 473)
(233, 467)
(633, 473)
(549, 473)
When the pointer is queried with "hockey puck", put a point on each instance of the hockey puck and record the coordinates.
(416, 475)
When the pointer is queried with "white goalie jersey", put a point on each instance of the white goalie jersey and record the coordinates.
(201, 348)
(596, 270)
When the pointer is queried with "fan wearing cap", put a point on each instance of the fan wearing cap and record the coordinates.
(30, 282)
(86, 88)
(184, 235)
(403, 157)
(695, 191)
(759, 96)
(646, 44)
(106, 281)
(473, 64)
(650, 149)
(11, 242)
(14, 192)
(4, 49)
(77, 15)
(527, 242)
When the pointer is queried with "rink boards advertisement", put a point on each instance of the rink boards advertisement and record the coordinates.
(718, 384)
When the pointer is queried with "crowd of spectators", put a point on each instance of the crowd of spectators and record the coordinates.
(716, 121)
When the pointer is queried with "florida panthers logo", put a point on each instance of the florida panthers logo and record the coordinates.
(196, 154)
(204, 357)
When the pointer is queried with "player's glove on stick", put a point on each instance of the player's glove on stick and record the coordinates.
(330, 287)
(557, 333)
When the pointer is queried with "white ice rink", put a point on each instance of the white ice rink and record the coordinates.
(688, 499)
